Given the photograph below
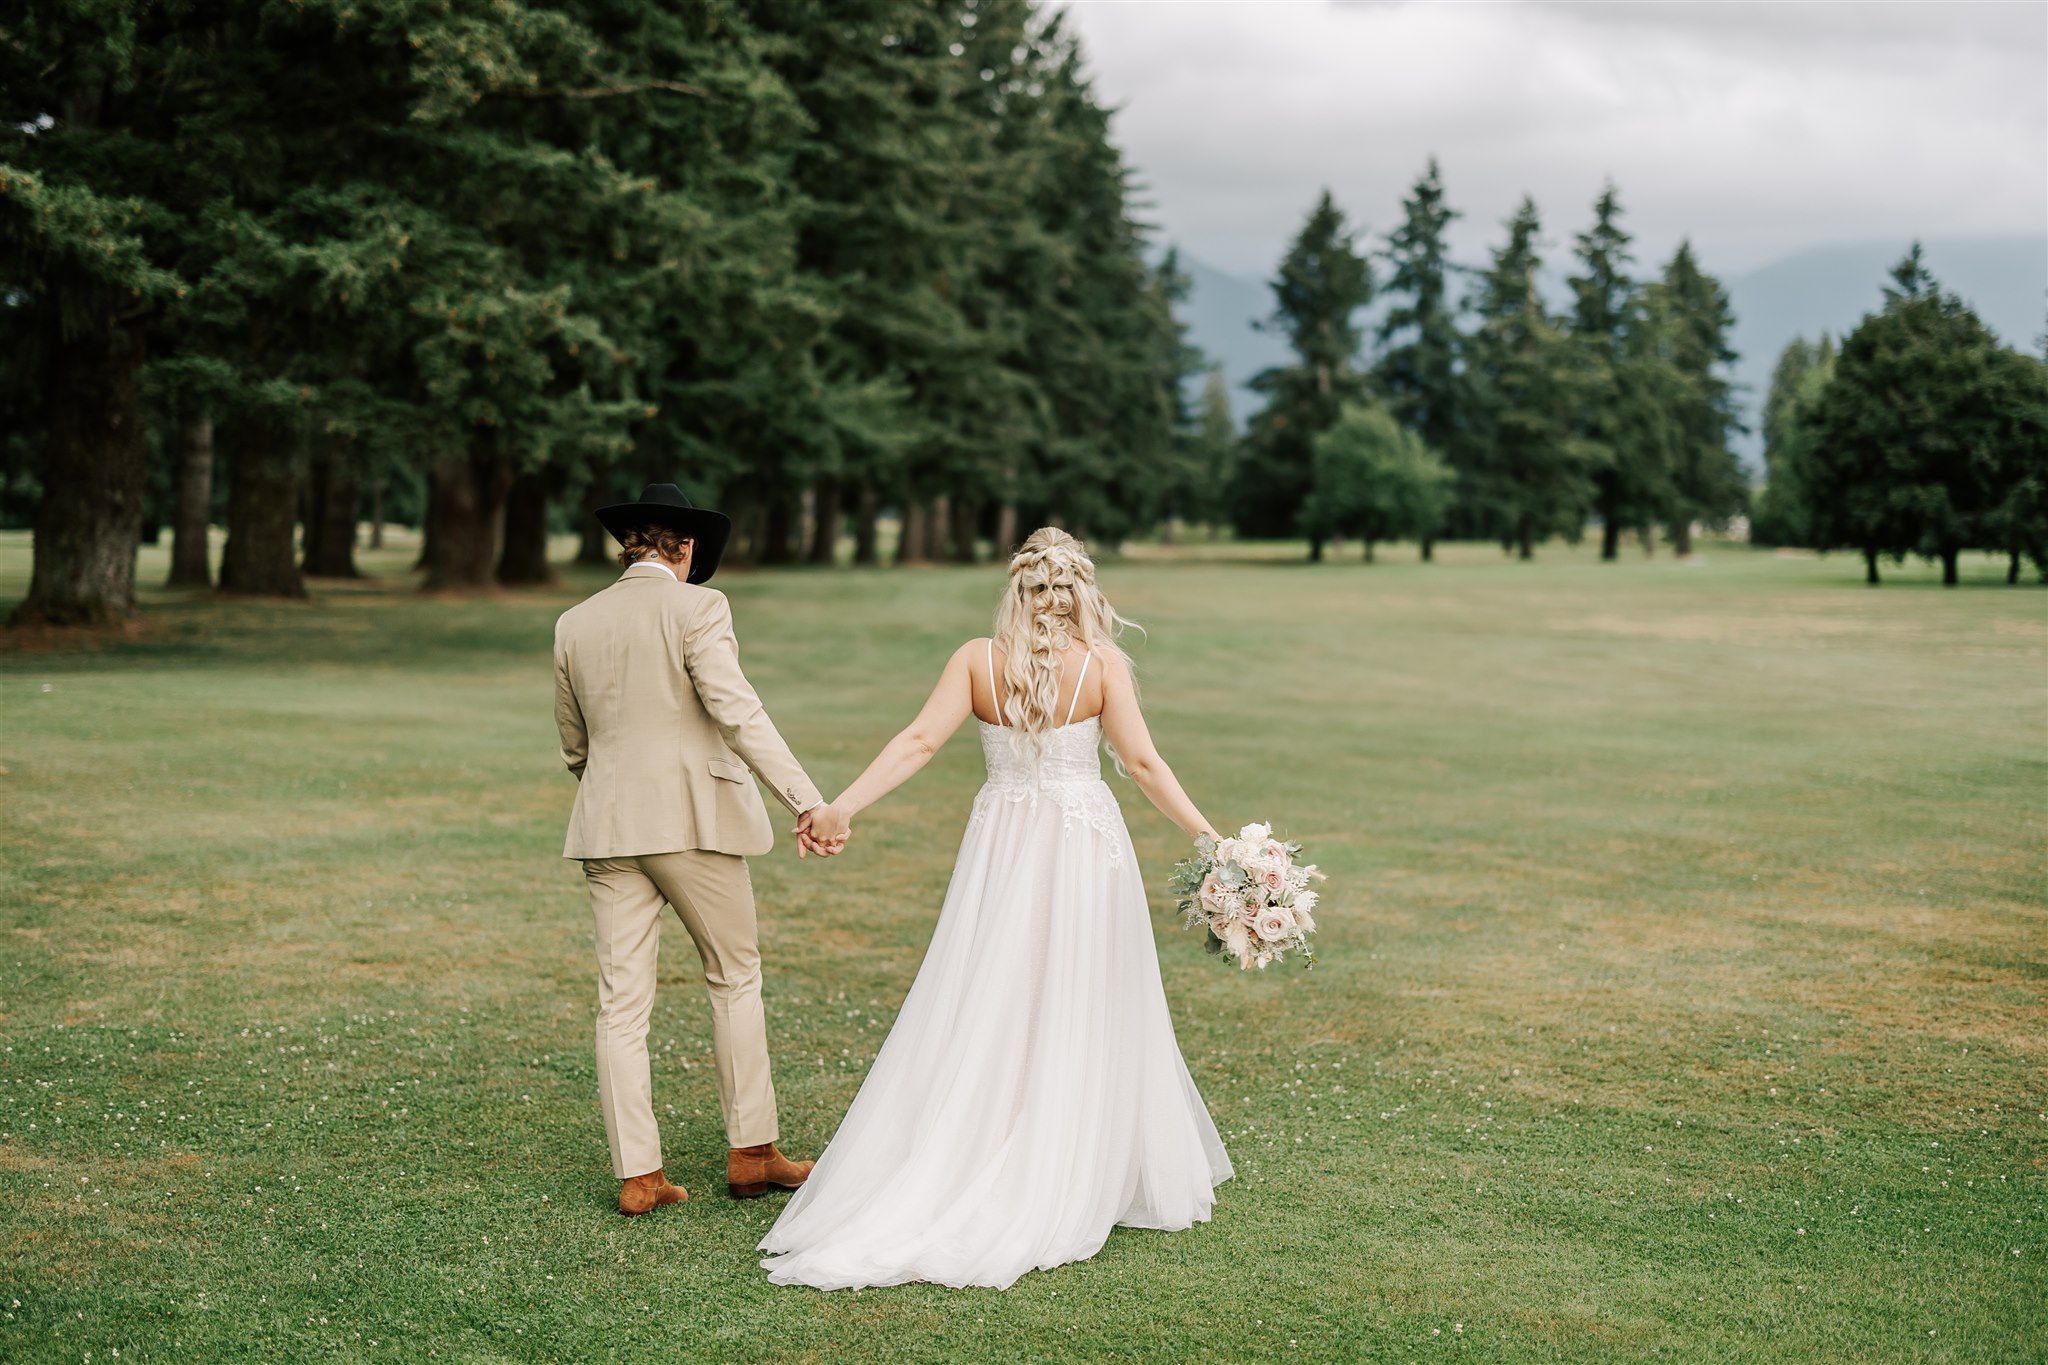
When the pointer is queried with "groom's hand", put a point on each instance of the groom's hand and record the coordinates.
(821, 830)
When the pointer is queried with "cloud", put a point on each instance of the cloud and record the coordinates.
(1753, 129)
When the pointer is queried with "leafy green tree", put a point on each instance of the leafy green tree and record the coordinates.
(1926, 439)
(1688, 316)
(1375, 479)
(1323, 282)
(1802, 372)
(1417, 374)
(1528, 476)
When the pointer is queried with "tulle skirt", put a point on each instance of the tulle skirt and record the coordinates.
(1031, 1095)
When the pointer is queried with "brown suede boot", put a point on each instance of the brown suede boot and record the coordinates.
(751, 1172)
(645, 1193)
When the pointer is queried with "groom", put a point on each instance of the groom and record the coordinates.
(661, 729)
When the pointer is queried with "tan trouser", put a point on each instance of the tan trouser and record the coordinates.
(714, 897)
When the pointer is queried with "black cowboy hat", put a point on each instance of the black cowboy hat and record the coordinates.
(663, 504)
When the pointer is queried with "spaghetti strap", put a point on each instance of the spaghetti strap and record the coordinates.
(1074, 705)
(995, 697)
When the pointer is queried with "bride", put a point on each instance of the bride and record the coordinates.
(1031, 1095)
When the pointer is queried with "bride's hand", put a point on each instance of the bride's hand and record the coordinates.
(821, 830)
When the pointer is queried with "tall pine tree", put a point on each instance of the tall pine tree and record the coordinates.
(1528, 474)
(1690, 318)
(1417, 374)
(1323, 283)
(1621, 404)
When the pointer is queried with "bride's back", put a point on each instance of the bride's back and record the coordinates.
(1079, 696)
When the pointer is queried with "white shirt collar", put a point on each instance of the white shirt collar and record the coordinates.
(653, 564)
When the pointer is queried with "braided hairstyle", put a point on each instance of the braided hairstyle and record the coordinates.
(1050, 604)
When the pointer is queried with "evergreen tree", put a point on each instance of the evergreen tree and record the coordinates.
(1417, 374)
(83, 169)
(1927, 437)
(1527, 475)
(1196, 491)
(1322, 284)
(1688, 314)
(1104, 350)
(1623, 400)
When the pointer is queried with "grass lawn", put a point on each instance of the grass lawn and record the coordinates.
(1684, 987)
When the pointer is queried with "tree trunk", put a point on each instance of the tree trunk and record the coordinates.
(1525, 539)
(377, 512)
(523, 562)
(825, 519)
(1315, 549)
(911, 542)
(594, 546)
(195, 504)
(2012, 568)
(1681, 539)
(427, 520)
(776, 529)
(965, 517)
(1610, 530)
(95, 475)
(866, 531)
(331, 513)
(1870, 567)
(1006, 529)
(1647, 535)
(938, 523)
(263, 505)
(1368, 549)
(152, 530)
(466, 515)
(1428, 549)
(1948, 567)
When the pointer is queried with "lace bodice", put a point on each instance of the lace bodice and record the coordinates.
(1071, 755)
(1069, 778)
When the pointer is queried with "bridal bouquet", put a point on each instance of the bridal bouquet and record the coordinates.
(1250, 895)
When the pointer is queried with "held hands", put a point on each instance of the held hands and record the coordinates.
(822, 830)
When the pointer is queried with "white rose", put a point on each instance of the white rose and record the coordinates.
(1274, 924)
(1237, 940)
(1255, 834)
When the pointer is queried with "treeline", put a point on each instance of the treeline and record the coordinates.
(1921, 435)
(486, 264)
(1473, 410)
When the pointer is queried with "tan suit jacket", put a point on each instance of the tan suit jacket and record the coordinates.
(660, 726)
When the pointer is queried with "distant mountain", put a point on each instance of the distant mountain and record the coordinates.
(1820, 289)
(1219, 314)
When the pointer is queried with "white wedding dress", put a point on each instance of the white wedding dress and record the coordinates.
(1031, 1095)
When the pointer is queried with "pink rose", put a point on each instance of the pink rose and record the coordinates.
(1273, 924)
(1275, 879)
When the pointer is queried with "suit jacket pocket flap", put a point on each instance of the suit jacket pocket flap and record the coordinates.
(731, 772)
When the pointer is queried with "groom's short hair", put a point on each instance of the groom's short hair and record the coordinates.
(665, 541)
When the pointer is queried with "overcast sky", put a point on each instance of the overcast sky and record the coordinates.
(1755, 129)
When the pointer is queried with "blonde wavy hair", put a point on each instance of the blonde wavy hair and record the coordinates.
(1050, 604)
